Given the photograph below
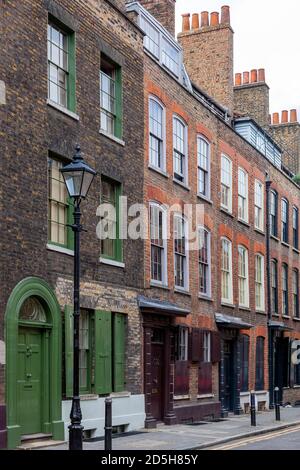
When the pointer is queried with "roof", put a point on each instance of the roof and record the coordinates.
(161, 307)
(227, 321)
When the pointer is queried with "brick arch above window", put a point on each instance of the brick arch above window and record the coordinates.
(225, 232)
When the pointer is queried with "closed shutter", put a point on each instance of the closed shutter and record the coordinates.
(119, 352)
(103, 352)
(69, 355)
(196, 350)
(205, 378)
(181, 386)
(215, 346)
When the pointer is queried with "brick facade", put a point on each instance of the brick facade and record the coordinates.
(31, 129)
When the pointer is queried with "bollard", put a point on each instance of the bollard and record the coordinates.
(252, 408)
(277, 404)
(108, 424)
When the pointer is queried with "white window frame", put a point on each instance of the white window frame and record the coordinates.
(285, 222)
(285, 289)
(164, 281)
(200, 168)
(244, 197)
(243, 251)
(185, 145)
(206, 346)
(228, 300)
(185, 287)
(259, 207)
(225, 185)
(260, 284)
(295, 293)
(208, 290)
(182, 345)
(163, 153)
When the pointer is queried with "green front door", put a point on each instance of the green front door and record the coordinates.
(30, 380)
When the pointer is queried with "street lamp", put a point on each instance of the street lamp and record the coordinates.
(78, 177)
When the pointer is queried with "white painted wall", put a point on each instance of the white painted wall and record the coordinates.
(262, 395)
(126, 409)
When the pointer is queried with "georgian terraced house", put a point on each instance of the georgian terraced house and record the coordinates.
(172, 334)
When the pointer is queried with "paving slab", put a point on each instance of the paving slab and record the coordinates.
(187, 437)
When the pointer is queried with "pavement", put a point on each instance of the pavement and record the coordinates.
(197, 436)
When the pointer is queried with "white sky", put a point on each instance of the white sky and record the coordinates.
(266, 36)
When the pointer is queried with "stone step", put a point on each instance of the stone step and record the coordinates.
(38, 444)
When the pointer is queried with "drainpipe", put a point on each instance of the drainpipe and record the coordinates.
(269, 302)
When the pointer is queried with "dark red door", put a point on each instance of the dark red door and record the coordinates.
(157, 380)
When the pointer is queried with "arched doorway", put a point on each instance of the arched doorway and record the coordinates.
(33, 366)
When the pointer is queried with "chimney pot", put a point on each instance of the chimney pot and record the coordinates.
(195, 21)
(245, 78)
(214, 18)
(225, 14)
(275, 118)
(238, 79)
(186, 22)
(261, 75)
(284, 117)
(293, 115)
(204, 19)
(253, 76)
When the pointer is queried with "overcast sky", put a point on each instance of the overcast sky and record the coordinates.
(266, 36)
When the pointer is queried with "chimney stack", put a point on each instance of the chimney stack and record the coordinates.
(195, 21)
(186, 22)
(284, 117)
(204, 19)
(293, 115)
(275, 118)
(225, 14)
(208, 54)
(251, 96)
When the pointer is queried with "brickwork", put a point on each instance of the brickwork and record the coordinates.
(288, 137)
(208, 57)
(163, 189)
(253, 101)
(31, 129)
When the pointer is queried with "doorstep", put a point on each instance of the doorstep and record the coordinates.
(39, 444)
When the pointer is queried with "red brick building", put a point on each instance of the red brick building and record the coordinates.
(207, 314)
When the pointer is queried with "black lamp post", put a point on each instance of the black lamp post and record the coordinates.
(78, 177)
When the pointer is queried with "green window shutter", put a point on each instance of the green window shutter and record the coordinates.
(72, 73)
(118, 241)
(103, 352)
(119, 104)
(119, 352)
(69, 329)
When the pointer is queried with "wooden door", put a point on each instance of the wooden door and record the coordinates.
(29, 381)
(228, 375)
(157, 368)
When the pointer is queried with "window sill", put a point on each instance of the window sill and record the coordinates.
(181, 397)
(274, 238)
(258, 230)
(247, 309)
(275, 315)
(206, 395)
(285, 244)
(260, 312)
(112, 137)
(60, 249)
(205, 297)
(225, 304)
(296, 250)
(287, 317)
(177, 290)
(63, 110)
(159, 285)
(183, 185)
(296, 319)
(120, 394)
(243, 222)
(261, 392)
(227, 212)
(296, 386)
(244, 394)
(88, 397)
(158, 170)
(203, 198)
(111, 262)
